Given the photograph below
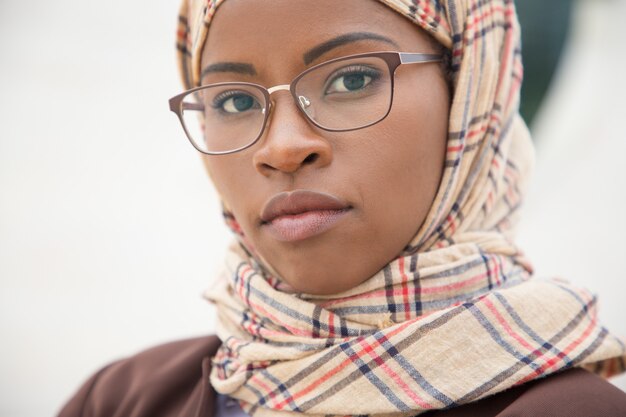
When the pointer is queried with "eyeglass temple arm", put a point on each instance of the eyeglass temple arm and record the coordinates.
(193, 106)
(417, 58)
(177, 104)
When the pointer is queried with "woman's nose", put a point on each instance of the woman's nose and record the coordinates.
(290, 143)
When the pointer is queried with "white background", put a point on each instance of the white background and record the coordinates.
(110, 231)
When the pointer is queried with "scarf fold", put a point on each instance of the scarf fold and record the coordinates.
(457, 316)
(397, 345)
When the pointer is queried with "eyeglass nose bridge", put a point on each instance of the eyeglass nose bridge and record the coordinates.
(285, 87)
(302, 101)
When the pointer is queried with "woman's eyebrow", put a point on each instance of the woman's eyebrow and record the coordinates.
(314, 53)
(236, 67)
(308, 57)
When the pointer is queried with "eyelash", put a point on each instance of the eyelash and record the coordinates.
(220, 99)
(374, 74)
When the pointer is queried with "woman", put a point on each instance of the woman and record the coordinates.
(374, 200)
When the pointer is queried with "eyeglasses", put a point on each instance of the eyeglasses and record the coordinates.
(339, 95)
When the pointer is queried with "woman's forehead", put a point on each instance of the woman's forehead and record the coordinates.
(289, 29)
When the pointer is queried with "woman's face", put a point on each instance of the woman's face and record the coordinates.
(327, 210)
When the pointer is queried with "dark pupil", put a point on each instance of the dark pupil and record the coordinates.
(243, 102)
(354, 81)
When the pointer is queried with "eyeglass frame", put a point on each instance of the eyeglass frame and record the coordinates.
(393, 60)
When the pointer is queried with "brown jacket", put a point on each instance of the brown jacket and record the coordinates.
(172, 380)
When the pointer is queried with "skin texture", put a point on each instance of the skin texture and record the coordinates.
(388, 173)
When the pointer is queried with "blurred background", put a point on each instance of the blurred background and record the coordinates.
(110, 231)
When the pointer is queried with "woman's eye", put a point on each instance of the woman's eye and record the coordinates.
(350, 82)
(236, 103)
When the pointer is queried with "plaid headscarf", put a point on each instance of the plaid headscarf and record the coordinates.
(455, 317)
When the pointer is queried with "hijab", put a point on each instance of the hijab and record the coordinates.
(458, 315)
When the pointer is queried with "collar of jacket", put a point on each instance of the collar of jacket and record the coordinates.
(172, 380)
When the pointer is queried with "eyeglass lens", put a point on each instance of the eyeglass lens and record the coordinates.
(340, 95)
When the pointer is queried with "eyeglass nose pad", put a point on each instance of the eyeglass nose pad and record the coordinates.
(304, 102)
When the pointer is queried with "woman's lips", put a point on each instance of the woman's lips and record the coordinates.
(301, 214)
